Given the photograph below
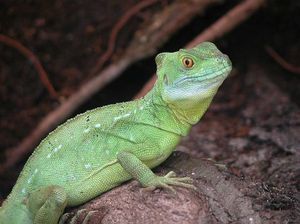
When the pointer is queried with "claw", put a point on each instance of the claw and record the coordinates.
(78, 215)
(149, 189)
(88, 216)
(182, 184)
(183, 179)
(64, 218)
(170, 188)
(171, 174)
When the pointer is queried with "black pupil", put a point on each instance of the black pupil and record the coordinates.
(187, 62)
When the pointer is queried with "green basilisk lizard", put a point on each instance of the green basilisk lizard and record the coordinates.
(101, 148)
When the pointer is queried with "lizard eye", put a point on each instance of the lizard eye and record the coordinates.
(187, 62)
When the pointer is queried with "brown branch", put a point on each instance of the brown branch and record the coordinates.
(146, 41)
(222, 26)
(281, 61)
(116, 29)
(34, 60)
(229, 21)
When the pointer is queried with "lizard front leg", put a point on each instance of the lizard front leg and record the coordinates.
(47, 204)
(138, 170)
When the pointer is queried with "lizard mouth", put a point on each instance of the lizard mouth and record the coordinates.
(207, 79)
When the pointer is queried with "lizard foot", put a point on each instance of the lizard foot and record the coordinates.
(75, 219)
(63, 219)
(170, 179)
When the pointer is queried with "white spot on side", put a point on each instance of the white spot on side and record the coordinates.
(127, 115)
(72, 177)
(131, 138)
(31, 177)
(59, 147)
(87, 165)
(97, 125)
(122, 116)
(141, 107)
(23, 190)
(49, 155)
(117, 118)
(86, 130)
(107, 151)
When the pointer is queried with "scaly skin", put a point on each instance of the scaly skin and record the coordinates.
(101, 148)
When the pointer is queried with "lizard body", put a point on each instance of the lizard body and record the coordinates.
(101, 148)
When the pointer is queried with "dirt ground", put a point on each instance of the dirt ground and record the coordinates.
(252, 126)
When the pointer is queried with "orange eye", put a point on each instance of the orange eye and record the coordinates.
(187, 62)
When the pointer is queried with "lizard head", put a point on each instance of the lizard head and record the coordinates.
(188, 77)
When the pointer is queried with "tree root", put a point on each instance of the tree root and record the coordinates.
(34, 60)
